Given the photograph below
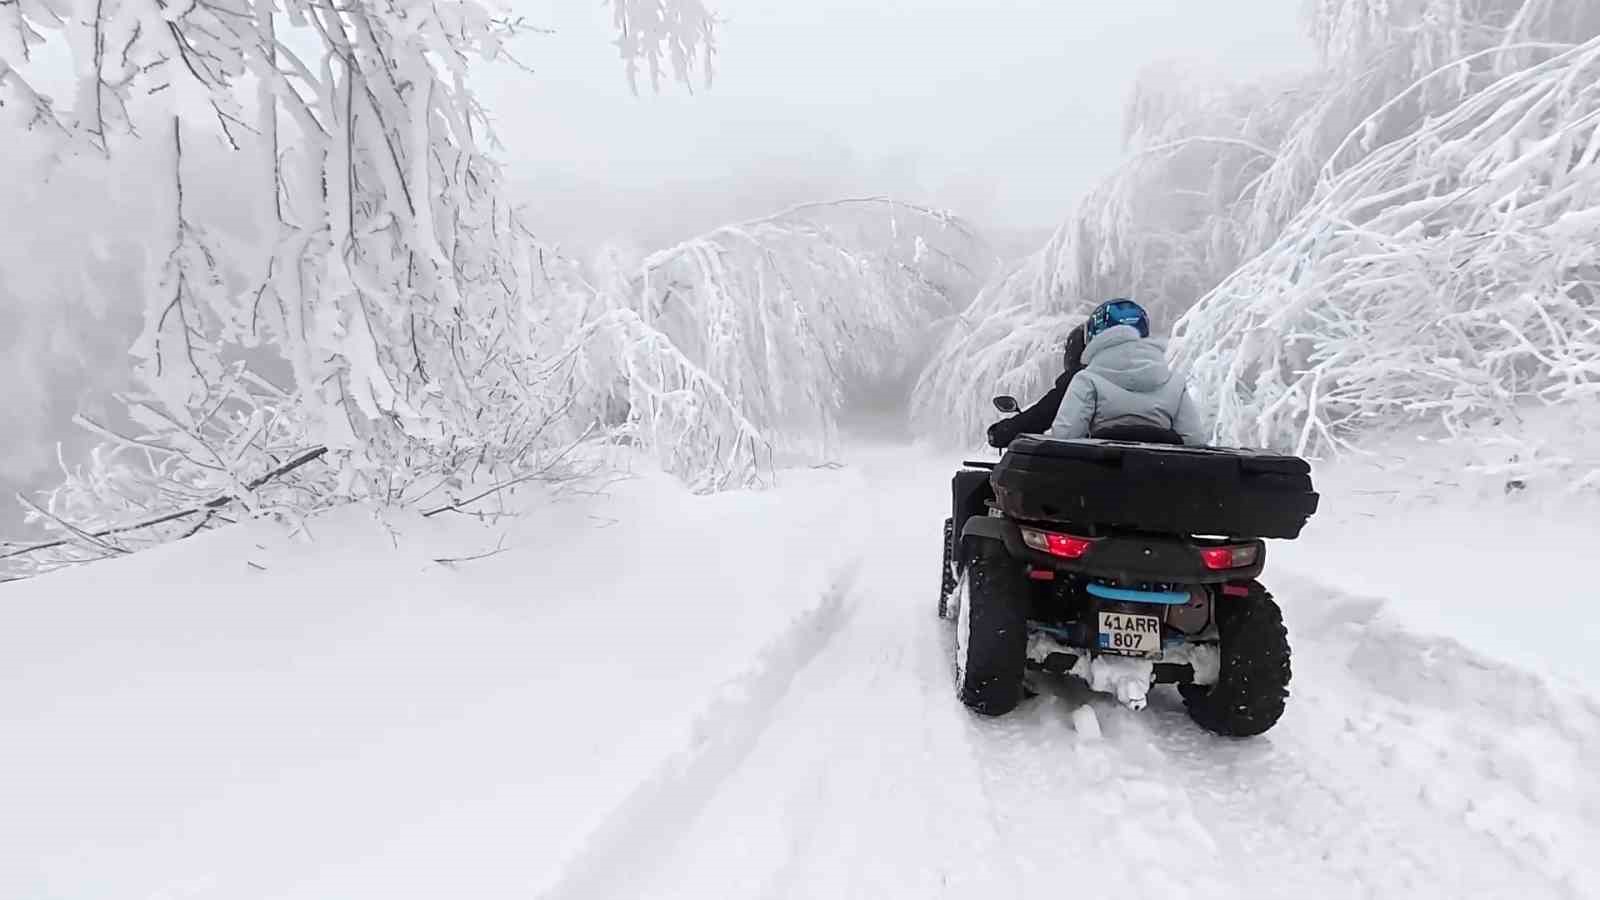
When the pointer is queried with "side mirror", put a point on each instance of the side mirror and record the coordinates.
(1006, 404)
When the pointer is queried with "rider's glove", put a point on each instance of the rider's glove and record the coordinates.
(1000, 434)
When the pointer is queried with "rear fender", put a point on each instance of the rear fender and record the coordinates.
(1005, 531)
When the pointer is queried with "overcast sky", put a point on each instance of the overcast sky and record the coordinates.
(1005, 110)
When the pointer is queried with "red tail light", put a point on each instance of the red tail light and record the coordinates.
(1236, 557)
(1065, 546)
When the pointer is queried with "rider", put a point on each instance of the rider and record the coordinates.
(1126, 391)
(1037, 418)
(970, 488)
(1116, 386)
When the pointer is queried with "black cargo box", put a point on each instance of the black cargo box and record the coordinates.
(1155, 487)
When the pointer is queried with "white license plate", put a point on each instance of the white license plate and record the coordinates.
(1130, 635)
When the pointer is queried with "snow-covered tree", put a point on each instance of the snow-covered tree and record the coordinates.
(1411, 226)
(740, 347)
(1277, 201)
(378, 324)
(1162, 228)
(1451, 273)
(376, 296)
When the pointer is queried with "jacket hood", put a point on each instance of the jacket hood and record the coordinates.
(1122, 357)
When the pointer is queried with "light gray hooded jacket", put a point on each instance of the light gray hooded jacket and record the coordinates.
(1126, 381)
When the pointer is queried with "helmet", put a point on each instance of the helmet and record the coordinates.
(1117, 312)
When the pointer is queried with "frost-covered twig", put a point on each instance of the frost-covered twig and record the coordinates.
(541, 473)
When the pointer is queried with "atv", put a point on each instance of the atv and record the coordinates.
(1126, 560)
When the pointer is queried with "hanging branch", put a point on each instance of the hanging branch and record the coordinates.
(208, 508)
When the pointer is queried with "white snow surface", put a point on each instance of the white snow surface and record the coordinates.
(653, 694)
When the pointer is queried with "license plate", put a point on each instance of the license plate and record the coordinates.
(1130, 635)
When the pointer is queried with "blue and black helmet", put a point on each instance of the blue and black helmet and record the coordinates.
(1117, 312)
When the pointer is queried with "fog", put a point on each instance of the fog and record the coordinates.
(1002, 111)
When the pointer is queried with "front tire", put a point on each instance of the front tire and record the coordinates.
(1253, 684)
(947, 581)
(992, 639)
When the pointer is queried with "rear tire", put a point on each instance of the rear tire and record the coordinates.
(992, 643)
(1253, 684)
(947, 580)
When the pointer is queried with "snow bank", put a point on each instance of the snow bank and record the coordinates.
(1445, 632)
(246, 714)
(1408, 721)
(1500, 561)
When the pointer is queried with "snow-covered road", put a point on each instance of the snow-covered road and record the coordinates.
(753, 700)
(1405, 768)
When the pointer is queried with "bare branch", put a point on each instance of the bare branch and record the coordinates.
(499, 548)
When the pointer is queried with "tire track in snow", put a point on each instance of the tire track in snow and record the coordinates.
(867, 784)
(643, 828)
(1061, 800)
(1069, 805)
(892, 802)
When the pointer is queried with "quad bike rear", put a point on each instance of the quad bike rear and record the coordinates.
(1126, 564)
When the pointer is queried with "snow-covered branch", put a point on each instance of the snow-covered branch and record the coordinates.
(677, 36)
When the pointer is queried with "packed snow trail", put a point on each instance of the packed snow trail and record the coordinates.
(1396, 773)
(657, 695)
